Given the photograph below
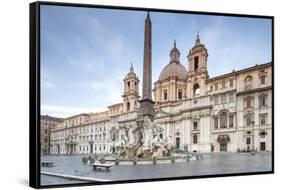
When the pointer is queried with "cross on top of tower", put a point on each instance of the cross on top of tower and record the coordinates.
(197, 42)
(131, 68)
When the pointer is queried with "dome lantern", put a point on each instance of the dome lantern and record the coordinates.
(174, 54)
(174, 68)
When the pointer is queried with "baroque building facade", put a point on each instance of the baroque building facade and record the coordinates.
(101, 132)
(46, 124)
(231, 112)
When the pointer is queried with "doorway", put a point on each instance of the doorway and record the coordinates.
(212, 147)
(177, 142)
(262, 146)
(223, 147)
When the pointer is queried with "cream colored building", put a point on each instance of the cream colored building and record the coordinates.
(231, 112)
(100, 132)
(46, 124)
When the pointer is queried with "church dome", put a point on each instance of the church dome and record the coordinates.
(174, 68)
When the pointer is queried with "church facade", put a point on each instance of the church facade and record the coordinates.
(231, 112)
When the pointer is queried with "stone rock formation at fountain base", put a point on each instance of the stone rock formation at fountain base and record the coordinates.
(149, 141)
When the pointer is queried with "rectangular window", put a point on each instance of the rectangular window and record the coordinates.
(262, 79)
(248, 103)
(248, 140)
(231, 121)
(211, 88)
(216, 86)
(216, 123)
(231, 83)
(195, 139)
(223, 84)
(231, 97)
(223, 98)
(248, 121)
(262, 100)
(180, 94)
(165, 94)
(216, 99)
(263, 119)
(195, 125)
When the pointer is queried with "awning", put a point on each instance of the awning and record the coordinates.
(223, 138)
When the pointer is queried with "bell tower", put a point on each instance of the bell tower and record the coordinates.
(197, 69)
(131, 91)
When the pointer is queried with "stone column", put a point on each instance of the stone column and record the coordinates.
(146, 103)
(146, 88)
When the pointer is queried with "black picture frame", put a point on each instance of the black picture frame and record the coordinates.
(34, 92)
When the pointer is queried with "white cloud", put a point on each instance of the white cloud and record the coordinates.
(109, 89)
(64, 111)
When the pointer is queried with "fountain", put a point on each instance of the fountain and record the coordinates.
(149, 143)
(148, 135)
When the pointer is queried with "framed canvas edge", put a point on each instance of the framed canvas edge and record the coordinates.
(34, 93)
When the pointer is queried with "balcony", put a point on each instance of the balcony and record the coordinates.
(228, 129)
(195, 131)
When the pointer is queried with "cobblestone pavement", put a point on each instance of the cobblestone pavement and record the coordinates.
(213, 163)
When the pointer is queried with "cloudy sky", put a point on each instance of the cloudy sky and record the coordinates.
(86, 52)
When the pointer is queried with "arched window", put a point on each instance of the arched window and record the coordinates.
(223, 119)
(196, 62)
(248, 82)
(129, 85)
(196, 90)
(194, 139)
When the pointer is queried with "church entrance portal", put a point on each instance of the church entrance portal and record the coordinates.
(223, 147)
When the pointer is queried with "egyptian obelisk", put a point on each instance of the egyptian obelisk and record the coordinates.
(146, 103)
